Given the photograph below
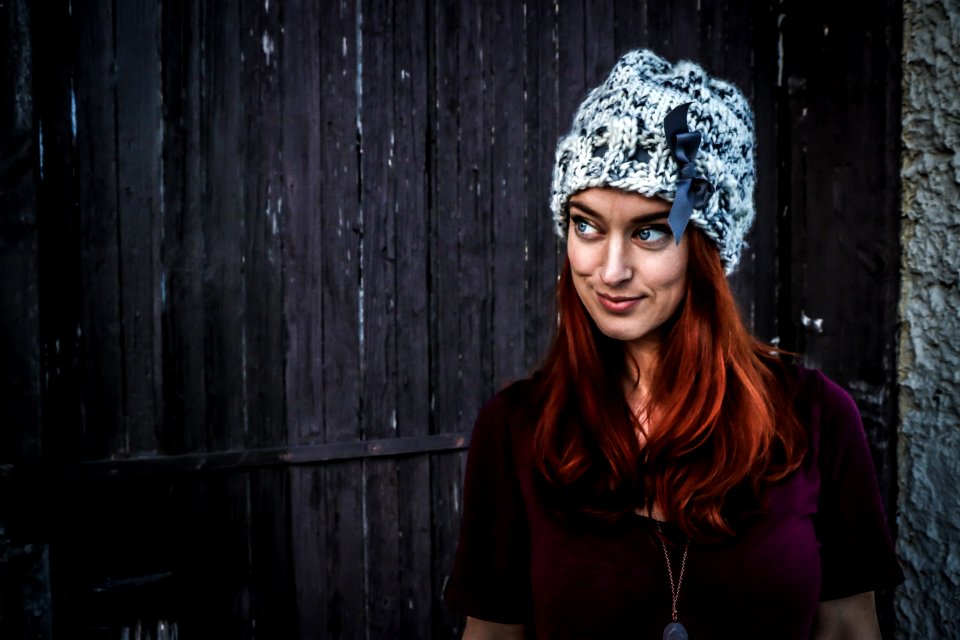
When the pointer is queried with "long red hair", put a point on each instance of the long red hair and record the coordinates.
(723, 423)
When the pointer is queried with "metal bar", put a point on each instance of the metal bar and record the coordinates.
(280, 456)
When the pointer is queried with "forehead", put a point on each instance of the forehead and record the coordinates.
(611, 202)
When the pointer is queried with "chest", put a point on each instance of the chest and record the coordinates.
(597, 580)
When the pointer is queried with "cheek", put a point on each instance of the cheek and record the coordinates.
(671, 275)
(581, 257)
(576, 257)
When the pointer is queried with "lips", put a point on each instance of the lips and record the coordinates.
(618, 304)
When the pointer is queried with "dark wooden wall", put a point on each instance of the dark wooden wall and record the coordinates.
(263, 261)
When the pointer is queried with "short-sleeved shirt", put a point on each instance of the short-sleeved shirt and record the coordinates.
(822, 535)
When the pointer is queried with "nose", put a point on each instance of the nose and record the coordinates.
(616, 268)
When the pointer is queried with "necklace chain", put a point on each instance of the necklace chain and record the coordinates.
(674, 587)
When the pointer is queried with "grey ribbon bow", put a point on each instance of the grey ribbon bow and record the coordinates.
(693, 190)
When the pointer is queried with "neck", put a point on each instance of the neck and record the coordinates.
(641, 360)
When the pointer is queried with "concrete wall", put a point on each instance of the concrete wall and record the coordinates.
(928, 605)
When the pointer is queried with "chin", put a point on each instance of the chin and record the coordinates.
(623, 334)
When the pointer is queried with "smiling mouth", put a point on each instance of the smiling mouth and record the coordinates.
(618, 304)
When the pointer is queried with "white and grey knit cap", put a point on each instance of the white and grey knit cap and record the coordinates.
(618, 140)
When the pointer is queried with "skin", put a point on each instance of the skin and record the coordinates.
(628, 269)
(630, 274)
(853, 618)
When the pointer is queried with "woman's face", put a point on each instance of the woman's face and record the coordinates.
(626, 266)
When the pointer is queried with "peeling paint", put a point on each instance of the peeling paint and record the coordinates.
(266, 42)
(40, 145)
(73, 110)
(360, 209)
(780, 50)
(275, 219)
(814, 324)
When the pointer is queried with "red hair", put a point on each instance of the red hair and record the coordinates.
(723, 422)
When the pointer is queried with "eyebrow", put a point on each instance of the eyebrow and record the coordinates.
(646, 217)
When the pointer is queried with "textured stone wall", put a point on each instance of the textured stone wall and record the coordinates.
(928, 605)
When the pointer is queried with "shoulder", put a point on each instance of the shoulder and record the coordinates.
(831, 417)
(814, 393)
(508, 413)
(513, 399)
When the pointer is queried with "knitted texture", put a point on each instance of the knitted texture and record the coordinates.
(617, 140)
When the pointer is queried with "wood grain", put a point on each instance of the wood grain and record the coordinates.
(278, 254)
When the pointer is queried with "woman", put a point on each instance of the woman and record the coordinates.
(664, 473)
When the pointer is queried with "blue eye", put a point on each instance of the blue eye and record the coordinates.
(582, 226)
(652, 234)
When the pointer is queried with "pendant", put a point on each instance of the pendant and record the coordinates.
(675, 631)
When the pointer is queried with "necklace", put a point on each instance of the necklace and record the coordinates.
(674, 630)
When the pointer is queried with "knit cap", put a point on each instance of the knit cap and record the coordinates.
(618, 140)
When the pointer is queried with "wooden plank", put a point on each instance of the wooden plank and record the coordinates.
(761, 258)
(214, 561)
(260, 31)
(659, 26)
(273, 598)
(445, 220)
(303, 241)
(794, 77)
(224, 132)
(542, 251)
(572, 83)
(343, 508)
(410, 103)
(678, 24)
(340, 223)
(25, 594)
(834, 185)
(59, 283)
(329, 563)
(379, 171)
(726, 42)
(20, 385)
(505, 111)
(139, 218)
(21, 570)
(598, 45)
(755, 282)
(182, 244)
(304, 246)
(345, 563)
(272, 602)
(279, 456)
(303, 251)
(446, 217)
(416, 597)
(311, 549)
(383, 560)
(630, 26)
(460, 266)
(470, 318)
(100, 326)
(728, 39)
(228, 347)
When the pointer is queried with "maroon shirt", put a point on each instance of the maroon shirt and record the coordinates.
(822, 536)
